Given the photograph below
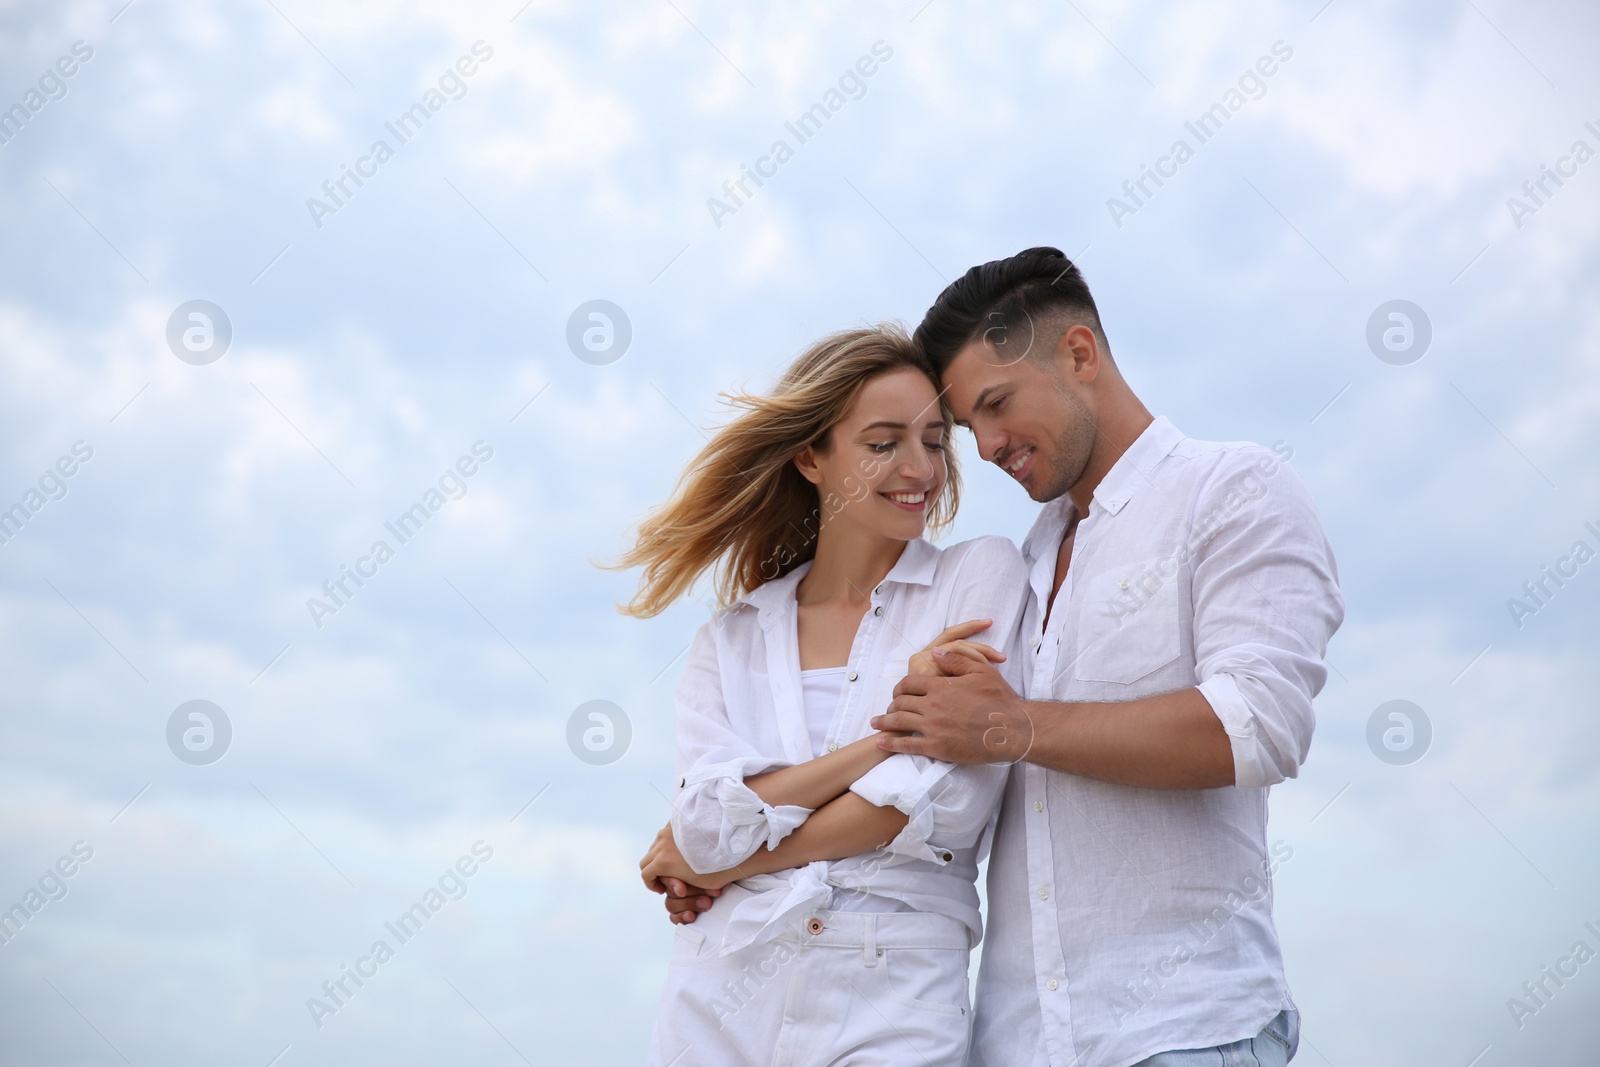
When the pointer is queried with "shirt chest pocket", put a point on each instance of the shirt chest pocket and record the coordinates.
(1128, 622)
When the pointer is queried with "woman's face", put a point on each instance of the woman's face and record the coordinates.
(884, 465)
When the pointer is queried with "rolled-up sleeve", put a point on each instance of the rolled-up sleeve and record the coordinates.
(718, 822)
(949, 805)
(946, 805)
(1266, 603)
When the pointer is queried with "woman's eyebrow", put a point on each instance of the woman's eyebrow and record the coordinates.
(886, 424)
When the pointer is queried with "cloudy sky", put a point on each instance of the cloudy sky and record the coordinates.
(380, 334)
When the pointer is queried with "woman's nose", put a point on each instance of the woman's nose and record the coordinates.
(918, 465)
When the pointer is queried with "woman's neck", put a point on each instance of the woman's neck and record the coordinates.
(849, 564)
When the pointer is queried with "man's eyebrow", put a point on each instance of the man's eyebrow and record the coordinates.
(981, 399)
(983, 395)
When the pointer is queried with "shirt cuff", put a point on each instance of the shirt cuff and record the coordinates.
(912, 840)
(746, 821)
(897, 782)
(903, 782)
(1253, 766)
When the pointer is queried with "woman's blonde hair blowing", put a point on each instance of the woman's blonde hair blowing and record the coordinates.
(742, 506)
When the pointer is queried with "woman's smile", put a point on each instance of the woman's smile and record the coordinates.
(912, 500)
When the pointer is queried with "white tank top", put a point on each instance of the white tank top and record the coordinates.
(820, 691)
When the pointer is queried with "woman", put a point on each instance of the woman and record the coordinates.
(848, 907)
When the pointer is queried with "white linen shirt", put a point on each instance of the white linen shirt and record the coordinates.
(739, 713)
(1127, 921)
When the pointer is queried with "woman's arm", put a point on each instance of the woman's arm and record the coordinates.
(817, 781)
(847, 826)
(852, 825)
(844, 827)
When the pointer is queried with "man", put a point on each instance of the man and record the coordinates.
(1184, 596)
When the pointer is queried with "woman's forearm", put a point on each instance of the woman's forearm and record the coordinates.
(815, 782)
(847, 826)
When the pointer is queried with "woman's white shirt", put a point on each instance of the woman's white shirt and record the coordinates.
(740, 711)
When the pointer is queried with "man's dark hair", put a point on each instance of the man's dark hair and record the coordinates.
(1007, 301)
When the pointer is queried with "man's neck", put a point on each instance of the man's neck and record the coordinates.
(1115, 434)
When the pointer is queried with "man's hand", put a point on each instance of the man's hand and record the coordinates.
(685, 902)
(969, 714)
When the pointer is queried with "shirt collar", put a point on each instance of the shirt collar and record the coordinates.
(915, 566)
(1048, 527)
(1132, 469)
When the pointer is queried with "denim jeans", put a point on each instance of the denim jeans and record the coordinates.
(1274, 1046)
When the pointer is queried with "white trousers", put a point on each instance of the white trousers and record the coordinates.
(840, 989)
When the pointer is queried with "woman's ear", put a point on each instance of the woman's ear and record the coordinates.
(805, 461)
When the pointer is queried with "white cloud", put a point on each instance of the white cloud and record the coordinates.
(409, 327)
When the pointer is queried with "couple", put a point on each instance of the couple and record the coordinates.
(868, 716)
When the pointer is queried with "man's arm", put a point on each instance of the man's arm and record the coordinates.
(1266, 602)
(971, 715)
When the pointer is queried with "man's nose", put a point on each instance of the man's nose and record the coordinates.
(991, 445)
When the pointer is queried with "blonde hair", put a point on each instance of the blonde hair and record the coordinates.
(742, 506)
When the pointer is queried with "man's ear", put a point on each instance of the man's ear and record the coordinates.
(1078, 353)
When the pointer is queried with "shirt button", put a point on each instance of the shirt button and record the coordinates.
(852, 676)
(1044, 892)
(1123, 584)
(878, 591)
(833, 746)
(878, 610)
(1052, 985)
(682, 782)
(1038, 805)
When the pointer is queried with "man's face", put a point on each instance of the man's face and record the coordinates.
(1032, 419)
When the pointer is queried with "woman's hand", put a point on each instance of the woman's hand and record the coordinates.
(955, 640)
(663, 860)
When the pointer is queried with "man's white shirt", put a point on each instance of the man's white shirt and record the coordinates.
(1127, 921)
